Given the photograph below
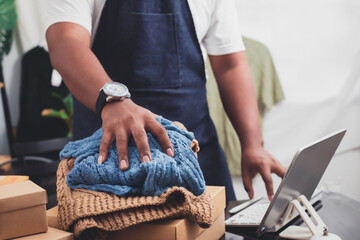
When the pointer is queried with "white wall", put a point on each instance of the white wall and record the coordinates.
(11, 67)
(316, 50)
(30, 32)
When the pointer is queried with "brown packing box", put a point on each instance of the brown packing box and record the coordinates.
(22, 209)
(216, 231)
(52, 219)
(4, 180)
(183, 230)
(180, 229)
(51, 234)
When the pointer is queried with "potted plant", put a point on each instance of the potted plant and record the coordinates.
(7, 23)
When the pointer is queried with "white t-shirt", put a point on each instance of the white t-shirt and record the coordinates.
(216, 23)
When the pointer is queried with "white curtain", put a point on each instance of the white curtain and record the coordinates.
(316, 50)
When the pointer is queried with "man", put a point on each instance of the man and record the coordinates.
(156, 48)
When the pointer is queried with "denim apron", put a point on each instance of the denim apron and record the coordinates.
(151, 46)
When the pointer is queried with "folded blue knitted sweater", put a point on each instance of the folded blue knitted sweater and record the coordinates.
(148, 178)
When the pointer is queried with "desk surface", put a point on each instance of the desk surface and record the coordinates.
(340, 213)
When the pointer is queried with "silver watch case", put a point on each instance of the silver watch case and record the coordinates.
(115, 91)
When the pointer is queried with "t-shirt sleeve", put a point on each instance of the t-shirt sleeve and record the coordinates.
(224, 34)
(74, 11)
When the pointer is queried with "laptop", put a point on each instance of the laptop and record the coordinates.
(301, 178)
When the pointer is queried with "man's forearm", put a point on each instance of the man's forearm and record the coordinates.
(238, 96)
(78, 66)
(69, 47)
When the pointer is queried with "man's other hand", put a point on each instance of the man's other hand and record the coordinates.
(258, 160)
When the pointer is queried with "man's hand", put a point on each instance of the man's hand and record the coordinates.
(258, 160)
(121, 119)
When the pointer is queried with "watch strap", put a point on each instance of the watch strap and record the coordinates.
(100, 102)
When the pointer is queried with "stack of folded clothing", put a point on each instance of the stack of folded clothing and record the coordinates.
(95, 199)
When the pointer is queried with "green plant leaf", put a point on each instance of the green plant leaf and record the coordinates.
(69, 134)
(7, 23)
(5, 42)
(69, 105)
(67, 101)
(7, 14)
(55, 114)
(58, 96)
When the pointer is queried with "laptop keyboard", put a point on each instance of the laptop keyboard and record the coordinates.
(250, 216)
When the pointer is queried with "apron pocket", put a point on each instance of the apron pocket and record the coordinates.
(154, 56)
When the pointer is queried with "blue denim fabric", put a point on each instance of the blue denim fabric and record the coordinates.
(152, 47)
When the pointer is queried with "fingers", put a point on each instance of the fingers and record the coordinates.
(266, 176)
(124, 119)
(105, 144)
(142, 144)
(122, 139)
(161, 135)
(279, 170)
(247, 181)
(259, 161)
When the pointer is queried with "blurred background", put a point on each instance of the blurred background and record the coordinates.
(305, 60)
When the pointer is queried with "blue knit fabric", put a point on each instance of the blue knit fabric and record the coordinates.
(148, 178)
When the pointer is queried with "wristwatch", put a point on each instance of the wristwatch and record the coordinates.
(111, 91)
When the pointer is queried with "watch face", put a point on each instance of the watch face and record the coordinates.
(115, 89)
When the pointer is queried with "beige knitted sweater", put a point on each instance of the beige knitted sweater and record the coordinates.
(92, 214)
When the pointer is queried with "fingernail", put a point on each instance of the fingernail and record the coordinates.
(123, 164)
(146, 158)
(100, 158)
(169, 152)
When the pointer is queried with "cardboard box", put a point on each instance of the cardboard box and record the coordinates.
(52, 219)
(218, 199)
(216, 231)
(179, 229)
(9, 179)
(180, 232)
(22, 209)
(51, 234)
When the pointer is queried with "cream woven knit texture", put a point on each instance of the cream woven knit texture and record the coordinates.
(90, 214)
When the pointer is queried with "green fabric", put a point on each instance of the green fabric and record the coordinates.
(268, 92)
